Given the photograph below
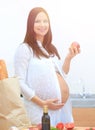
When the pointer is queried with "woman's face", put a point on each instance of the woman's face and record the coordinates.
(41, 25)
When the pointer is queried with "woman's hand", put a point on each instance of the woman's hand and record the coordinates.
(73, 50)
(53, 104)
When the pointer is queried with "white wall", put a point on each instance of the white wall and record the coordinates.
(71, 20)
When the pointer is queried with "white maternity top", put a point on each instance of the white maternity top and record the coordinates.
(38, 77)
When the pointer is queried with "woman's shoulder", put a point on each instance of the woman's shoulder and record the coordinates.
(23, 46)
(24, 49)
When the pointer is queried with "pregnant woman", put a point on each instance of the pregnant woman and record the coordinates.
(40, 72)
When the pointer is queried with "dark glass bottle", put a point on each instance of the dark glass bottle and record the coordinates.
(45, 119)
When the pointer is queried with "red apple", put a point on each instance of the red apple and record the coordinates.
(75, 44)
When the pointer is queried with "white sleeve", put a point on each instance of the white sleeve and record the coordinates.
(21, 61)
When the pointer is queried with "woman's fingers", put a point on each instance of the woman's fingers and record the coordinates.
(54, 104)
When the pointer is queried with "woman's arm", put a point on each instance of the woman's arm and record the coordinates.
(72, 53)
(21, 61)
(22, 58)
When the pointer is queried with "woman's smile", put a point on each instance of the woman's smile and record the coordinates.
(41, 25)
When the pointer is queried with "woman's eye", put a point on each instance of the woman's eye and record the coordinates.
(37, 21)
(45, 21)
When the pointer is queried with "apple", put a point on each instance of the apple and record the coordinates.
(75, 44)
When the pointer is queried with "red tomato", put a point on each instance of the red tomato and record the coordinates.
(39, 126)
(60, 126)
(69, 126)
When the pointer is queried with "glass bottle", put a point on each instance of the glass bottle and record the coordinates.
(45, 119)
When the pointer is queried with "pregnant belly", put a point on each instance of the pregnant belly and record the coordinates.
(63, 87)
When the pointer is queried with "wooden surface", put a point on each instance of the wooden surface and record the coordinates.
(84, 117)
(76, 128)
(79, 128)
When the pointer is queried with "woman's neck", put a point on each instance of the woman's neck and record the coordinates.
(40, 39)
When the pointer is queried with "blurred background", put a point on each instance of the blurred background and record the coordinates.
(71, 20)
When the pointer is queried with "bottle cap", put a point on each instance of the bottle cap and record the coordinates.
(45, 108)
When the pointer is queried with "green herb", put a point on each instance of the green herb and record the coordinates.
(53, 128)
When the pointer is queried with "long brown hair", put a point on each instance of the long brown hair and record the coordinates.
(30, 37)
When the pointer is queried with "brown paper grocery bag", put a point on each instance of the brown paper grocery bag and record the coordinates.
(12, 111)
